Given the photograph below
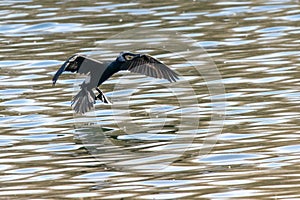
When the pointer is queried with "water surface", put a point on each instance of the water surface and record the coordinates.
(48, 153)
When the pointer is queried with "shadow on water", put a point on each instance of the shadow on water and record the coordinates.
(48, 153)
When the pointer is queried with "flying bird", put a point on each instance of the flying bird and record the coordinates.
(97, 72)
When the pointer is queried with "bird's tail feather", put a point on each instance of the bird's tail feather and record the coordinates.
(84, 100)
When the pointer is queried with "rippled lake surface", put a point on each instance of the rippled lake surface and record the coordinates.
(192, 139)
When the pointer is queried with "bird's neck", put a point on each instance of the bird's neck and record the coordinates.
(114, 66)
(111, 69)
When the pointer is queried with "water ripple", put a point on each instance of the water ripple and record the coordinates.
(49, 153)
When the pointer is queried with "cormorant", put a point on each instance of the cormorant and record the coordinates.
(99, 72)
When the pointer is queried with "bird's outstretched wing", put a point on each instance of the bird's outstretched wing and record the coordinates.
(83, 65)
(72, 64)
(147, 65)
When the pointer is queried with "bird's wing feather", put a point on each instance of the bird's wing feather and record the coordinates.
(147, 65)
(72, 64)
(82, 65)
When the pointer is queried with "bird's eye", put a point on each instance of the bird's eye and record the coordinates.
(128, 57)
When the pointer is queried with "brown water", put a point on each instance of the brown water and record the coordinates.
(158, 140)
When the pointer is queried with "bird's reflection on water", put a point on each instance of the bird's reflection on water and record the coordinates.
(138, 151)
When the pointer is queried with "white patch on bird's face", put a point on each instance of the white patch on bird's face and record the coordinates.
(128, 57)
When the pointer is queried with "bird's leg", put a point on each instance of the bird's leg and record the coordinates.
(100, 93)
(101, 96)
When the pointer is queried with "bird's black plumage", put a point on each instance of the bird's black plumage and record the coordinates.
(97, 72)
(149, 66)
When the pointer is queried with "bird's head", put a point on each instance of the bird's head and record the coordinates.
(127, 56)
